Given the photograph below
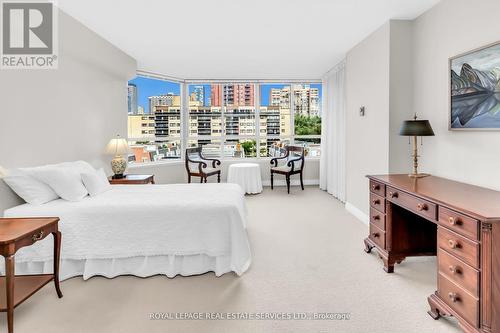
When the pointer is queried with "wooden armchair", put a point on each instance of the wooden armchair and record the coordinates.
(294, 165)
(197, 165)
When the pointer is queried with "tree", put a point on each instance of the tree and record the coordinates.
(305, 125)
(249, 147)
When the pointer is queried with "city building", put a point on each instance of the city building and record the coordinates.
(198, 94)
(163, 100)
(132, 98)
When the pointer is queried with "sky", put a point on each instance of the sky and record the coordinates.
(485, 59)
(151, 87)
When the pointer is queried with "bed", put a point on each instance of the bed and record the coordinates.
(144, 230)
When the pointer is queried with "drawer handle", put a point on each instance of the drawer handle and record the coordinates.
(376, 235)
(37, 237)
(422, 206)
(376, 202)
(453, 297)
(393, 194)
(454, 269)
(376, 217)
(454, 220)
(376, 187)
(453, 244)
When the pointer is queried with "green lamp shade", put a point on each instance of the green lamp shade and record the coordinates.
(416, 128)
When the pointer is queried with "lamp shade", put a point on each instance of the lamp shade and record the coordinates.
(117, 146)
(416, 128)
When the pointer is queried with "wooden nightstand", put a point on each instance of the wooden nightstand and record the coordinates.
(133, 180)
(16, 233)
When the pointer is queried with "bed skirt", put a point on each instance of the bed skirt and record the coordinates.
(169, 265)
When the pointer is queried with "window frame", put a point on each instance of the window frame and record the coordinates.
(185, 136)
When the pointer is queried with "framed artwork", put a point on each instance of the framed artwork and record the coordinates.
(475, 89)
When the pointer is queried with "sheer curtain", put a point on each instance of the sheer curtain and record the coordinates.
(332, 163)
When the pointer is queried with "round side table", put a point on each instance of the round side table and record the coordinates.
(247, 175)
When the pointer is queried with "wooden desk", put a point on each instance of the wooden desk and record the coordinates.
(133, 180)
(460, 224)
(16, 233)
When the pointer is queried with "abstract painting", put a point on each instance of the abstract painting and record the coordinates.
(475, 89)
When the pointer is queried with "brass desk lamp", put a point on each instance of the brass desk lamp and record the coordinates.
(416, 128)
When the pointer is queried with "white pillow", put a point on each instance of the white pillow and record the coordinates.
(29, 188)
(79, 166)
(96, 182)
(66, 182)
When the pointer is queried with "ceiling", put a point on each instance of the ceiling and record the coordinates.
(239, 39)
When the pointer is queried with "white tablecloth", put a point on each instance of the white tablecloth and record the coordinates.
(247, 175)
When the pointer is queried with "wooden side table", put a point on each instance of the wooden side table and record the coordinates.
(133, 180)
(16, 233)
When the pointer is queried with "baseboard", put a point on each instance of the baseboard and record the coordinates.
(293, 182)
(358, 213)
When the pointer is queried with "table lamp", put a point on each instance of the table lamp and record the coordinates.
(118, 147)
(416, 128)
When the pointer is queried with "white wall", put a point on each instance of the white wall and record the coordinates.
(367, 84)
(69, 113)
(402, 68)
(450, 28)
(378, 77)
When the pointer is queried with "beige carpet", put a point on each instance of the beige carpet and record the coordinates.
(307, 257)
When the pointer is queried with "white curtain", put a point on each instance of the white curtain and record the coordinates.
(332, 165)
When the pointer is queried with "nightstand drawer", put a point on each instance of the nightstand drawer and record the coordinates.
(459, 223)
(459, 300)
(459, 246)
(377, 202)
(377, 236)
(459, 272)
(377, 218)
(377, 188)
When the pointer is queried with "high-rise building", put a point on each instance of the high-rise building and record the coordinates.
(306, 100)
(132, 98)
(234, 95)
(198, 94)
(163, 100)
(280, 97)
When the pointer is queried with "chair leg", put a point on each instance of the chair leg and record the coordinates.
(301, 182)
(201, 179)
(272, 181)
(218, 177)
(189, 178)
(206, 180)
(288, 183)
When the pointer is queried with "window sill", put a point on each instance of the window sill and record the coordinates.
(228, 160)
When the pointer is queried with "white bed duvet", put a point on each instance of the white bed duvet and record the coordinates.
(144, 230)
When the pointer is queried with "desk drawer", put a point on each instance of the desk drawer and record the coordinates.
(464, 225)
(377, 218)
(377, 202)
(459, 246)
(377, 188)
(377, 235)
(420, 206)
(459, 300)
(459, 272)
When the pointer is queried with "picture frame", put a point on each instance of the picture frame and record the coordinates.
(474, 89)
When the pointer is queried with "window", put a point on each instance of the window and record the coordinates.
(228, 119)
(154, 104)
(275, 119)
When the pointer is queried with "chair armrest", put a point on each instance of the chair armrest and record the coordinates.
(214, 161)
(291, 163)
(201, 164)
(274, 160)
